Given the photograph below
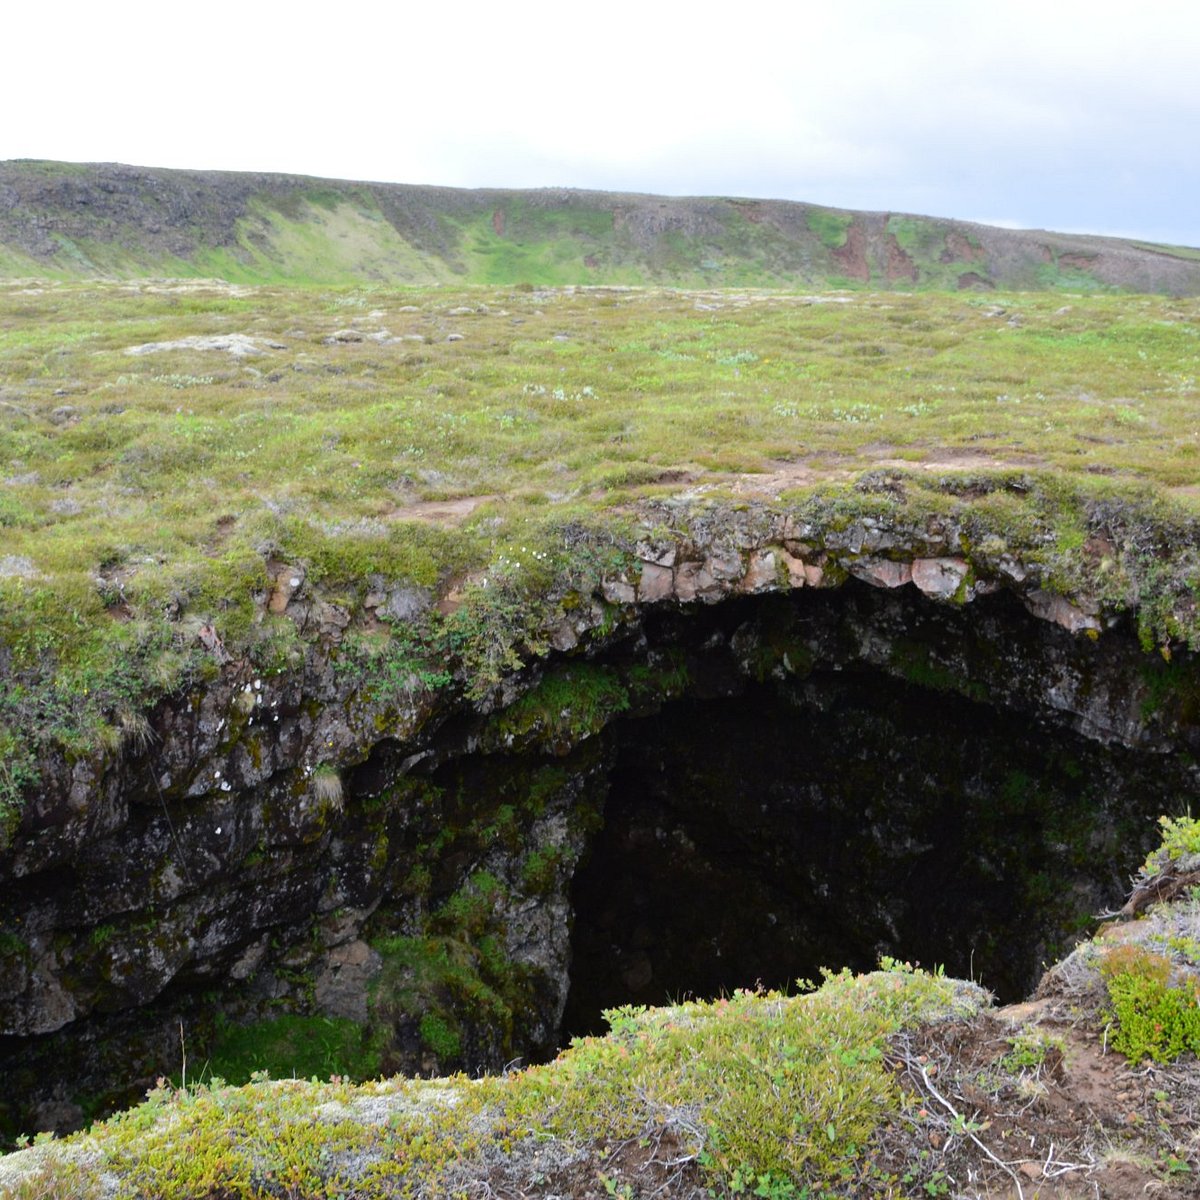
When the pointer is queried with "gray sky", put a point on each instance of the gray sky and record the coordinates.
(1058, 114)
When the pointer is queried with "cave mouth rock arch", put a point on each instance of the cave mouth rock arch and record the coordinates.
(705, 797)
(828, 778)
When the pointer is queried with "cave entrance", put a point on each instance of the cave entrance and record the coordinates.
(756, 836)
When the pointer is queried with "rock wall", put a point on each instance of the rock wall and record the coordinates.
(291, 843)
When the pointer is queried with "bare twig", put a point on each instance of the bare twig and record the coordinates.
(913, 1065)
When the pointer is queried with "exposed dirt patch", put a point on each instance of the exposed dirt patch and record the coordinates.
(959, 248)
(1010, 1107)
(852, 257)
(224, 527)
(973, 281)
(957, 458)
(438, 512)
(776, 478)
(498, 222)
(680, 475)
(1078, 262)
(781, 476)
(899, 264)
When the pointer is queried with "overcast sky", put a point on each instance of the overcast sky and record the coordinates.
(1057, 114)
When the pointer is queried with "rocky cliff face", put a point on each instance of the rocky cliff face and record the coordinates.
(760, 748)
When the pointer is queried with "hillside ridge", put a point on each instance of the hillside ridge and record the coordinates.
(110, 220)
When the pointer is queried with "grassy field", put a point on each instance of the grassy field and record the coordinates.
(422, 435)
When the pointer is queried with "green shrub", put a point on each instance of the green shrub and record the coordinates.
(1154, 1017)
(1180, 838)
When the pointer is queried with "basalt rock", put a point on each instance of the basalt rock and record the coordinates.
(759, 744)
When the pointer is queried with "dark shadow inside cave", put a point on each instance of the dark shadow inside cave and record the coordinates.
(827, 820)
(758, 789)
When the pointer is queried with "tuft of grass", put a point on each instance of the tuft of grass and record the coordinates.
(327, 785)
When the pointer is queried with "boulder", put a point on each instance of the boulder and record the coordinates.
(939, 578)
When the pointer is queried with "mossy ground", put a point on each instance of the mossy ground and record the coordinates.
(752, 1091)
(143, 492)
(895, 1083)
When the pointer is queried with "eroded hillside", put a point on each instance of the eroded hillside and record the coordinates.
(111, 221)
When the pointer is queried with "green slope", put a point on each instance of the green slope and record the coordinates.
(65, 220)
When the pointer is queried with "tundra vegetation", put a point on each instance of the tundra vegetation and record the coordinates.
(163, 443)
(166, 446)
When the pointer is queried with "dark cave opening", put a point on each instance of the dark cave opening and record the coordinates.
(831, 817)
(716, 797)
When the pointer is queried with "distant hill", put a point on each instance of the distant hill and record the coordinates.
(108, 220)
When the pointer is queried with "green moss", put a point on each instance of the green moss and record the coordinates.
(539, 871)
(453, 976)
(568, 704)
(12, 946)
(830, 225)
(1172, 688)
(664, 678)
(468, 911)
(442, 985)
(440, 1037)
(291, 1046)
(914, 662)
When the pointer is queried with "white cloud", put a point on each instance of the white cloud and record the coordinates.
(1056, 112)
